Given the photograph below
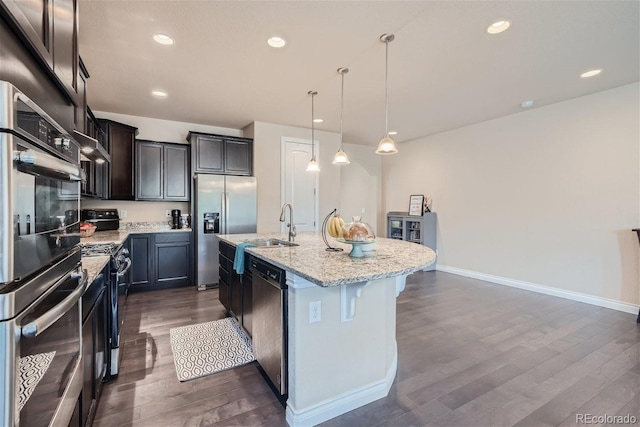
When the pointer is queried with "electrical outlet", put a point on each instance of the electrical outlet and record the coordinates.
(123, 213)
(315, 311)
(168, 212)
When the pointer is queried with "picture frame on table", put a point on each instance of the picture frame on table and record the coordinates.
(416, 205)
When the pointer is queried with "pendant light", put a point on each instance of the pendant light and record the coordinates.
(341, 157)
(313, 164)
(386, 144)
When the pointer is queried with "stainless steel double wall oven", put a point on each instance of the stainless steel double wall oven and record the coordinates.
(41, 280)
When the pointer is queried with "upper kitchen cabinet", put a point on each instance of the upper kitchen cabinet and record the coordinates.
(162, 171)
(96, 182)
(221, 154)
(120, 143)
(49, 28)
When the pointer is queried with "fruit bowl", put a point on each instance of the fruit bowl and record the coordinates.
(87, 230)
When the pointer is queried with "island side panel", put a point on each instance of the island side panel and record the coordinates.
(335, 367)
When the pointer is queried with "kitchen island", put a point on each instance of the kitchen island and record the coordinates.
(349, 357)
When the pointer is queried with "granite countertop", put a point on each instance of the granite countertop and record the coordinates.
(94, 265)
(309, 260)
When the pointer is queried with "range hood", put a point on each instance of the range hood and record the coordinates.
(91, 148)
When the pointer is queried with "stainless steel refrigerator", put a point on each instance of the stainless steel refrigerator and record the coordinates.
(223, 204)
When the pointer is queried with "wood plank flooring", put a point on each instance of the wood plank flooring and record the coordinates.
(470, 353)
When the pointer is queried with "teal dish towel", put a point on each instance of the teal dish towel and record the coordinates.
(238, 261)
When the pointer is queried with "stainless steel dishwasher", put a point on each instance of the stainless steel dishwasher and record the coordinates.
(269, 333)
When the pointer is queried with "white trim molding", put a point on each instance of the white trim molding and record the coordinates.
(541, 289)
(346, 402)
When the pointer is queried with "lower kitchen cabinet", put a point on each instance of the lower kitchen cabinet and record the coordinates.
(225, 258)
(235, 290)
(247, 296)
(94, 345)
(141, 248)
(173, 258)
(161, 260)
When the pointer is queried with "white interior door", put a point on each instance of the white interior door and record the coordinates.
(299, 187)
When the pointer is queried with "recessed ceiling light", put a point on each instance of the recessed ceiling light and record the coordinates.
(393, 132)
(318, 120)
(498, 27)
(163, 39)
(87, 150)
(159, 93)
(526, 104)
(276, 41)
(591, 73)
(99, 161)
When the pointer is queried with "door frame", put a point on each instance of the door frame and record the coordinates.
(283, 142)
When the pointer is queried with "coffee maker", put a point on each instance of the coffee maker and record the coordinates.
(175, 218)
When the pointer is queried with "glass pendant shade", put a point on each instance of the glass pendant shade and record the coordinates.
(386, 146)
(341, 158)
(312, 166)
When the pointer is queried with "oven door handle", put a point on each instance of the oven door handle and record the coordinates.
(124, 271)
(38, 326)
(47, 165)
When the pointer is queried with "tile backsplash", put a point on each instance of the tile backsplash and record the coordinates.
(132, 211)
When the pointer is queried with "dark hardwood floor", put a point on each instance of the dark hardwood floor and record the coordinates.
(470, 353)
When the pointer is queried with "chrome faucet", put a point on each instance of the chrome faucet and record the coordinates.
(292, 228)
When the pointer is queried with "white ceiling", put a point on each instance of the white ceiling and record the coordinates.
(445, 71)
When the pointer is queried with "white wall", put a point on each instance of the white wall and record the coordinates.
(547, 196)
(164, 130)
(267, 142)
(361, 186)
(154, 130)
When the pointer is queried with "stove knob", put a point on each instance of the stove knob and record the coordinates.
(125, 251)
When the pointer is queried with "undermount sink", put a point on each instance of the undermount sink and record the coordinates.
(272, 243)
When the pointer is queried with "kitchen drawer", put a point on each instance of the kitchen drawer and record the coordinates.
(227, 250)
(172, 237)
(226, 263)
(224, 275)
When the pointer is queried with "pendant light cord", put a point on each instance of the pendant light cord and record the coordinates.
(341, 107)
(386, 89)
(313, 139)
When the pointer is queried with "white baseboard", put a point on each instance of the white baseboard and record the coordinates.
(575, 296)
(344, 403)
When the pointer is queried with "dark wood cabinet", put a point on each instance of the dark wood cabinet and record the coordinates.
(173, 259)
(149, 174)
(238, 154)
(235, 291)
(162, 171)
(96, 183)
(94, 345)
(49, 29)
(161, 260)
(225, 260)
(221, 154)
(141, 249)
(65, 44)
(247, 296)
(120, 143)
